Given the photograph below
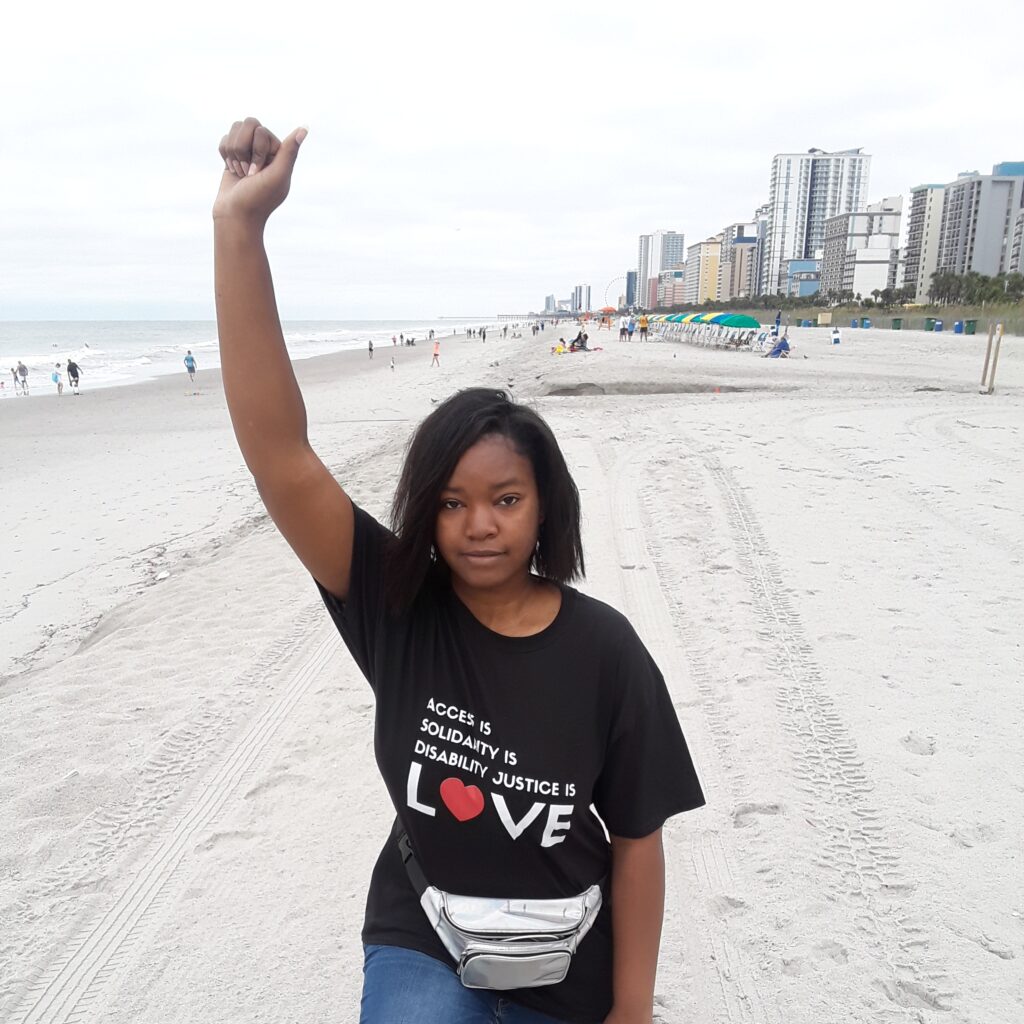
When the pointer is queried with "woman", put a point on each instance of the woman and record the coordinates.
(507, 704)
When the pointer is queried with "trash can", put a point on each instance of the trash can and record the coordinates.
(897, 323)
(865, 322)
(938, 326)
(970, 326)
(929, 323)
(805, 323)
(854, 322)
(958, 327)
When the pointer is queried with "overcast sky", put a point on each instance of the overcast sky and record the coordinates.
(463, 158)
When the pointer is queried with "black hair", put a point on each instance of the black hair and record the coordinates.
(436, 447)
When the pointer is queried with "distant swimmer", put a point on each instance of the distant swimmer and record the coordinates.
(58, 378)
(74, 372)
(436, 361)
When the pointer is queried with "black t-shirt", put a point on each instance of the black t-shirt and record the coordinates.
(493, 750)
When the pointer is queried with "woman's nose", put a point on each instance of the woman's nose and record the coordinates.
(481, 521)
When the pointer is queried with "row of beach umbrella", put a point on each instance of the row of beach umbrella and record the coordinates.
(722, 319)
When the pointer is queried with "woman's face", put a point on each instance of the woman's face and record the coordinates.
(489, 516)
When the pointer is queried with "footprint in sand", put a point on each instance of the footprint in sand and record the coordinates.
(917, 744)
(743, 813)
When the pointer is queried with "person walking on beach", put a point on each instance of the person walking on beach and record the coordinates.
(190, 365)
(23, 374)
(630, 328)
(507, 703)
(436, 360)
(394, 341)
(644, 324)
(371, 348)
(622, 328)
(58, 378)
(74, 372)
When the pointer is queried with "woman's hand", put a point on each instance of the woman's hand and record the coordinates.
(257, 171)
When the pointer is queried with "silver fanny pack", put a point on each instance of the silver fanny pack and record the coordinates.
(505, 943)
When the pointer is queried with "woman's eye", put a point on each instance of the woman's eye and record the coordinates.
(510, 499)
(450, 503)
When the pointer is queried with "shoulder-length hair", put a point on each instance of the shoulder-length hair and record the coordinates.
(436, 447)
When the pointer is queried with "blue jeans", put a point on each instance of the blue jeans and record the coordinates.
(403, 986)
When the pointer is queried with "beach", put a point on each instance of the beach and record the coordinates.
(825, 555)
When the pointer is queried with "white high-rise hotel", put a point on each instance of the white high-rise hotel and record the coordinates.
(660, 251)
(806, 189)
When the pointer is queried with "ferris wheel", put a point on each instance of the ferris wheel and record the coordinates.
(608, 288)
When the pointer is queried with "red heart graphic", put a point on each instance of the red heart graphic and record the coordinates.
(463, 801)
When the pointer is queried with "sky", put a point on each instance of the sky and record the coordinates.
(462, 158)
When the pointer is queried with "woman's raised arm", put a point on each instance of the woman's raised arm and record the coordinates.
(267, 412)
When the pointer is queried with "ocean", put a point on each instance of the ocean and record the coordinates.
(112, 353)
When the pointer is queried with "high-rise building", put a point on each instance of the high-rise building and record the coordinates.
(550, 304)
(761, 217)
(1015, 264)
(657, 252)
(921, 256)
(702, 271)
(979, 213)
(737, 261)
(800, 278)
(630, 288)
(671, 287)
(805, 190)
(861, 250)
(581, 298)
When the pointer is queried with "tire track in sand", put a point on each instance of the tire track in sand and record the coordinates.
(719, 977)
(863, 866)
(71, 985)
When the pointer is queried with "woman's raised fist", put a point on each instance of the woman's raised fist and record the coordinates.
(257, 171)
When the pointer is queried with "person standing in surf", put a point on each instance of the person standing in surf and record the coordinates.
(526, 737)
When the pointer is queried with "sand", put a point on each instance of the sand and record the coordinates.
(828, 564)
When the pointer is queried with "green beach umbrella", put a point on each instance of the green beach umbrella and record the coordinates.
(740, 320)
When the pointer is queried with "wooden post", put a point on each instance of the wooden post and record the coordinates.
(989, 387)
(988, 356)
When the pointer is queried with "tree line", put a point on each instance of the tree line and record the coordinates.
(972, 289)
(946, 289)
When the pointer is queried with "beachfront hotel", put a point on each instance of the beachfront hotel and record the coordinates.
(925, 224)
(861, 250)
(979, 215)
(661, 250)
(805, 190)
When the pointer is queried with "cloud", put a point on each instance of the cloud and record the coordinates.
(462, 157)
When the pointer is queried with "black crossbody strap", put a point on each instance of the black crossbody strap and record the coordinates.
(412, 865)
